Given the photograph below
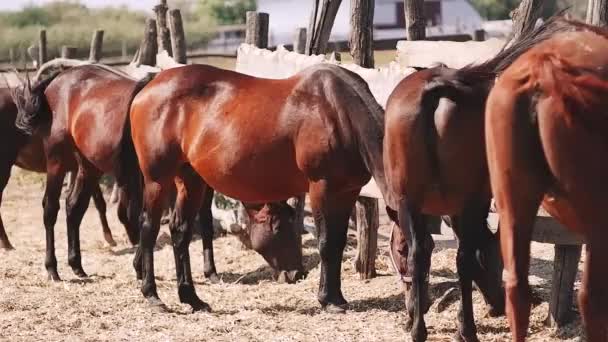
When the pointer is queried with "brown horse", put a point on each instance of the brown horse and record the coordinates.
(82, 117)
(546, 129)
(29, 155)
(434, 156)
(256, 140)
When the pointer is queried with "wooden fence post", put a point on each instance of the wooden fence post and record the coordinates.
(368, 219)
(597, 12)
(11, 55)
(96, 46)
(299, 42)
(163, 35)
(68, 52)
(415, 24)
(368, 216)
(257, 29)
(178, 37)
(149, 47)
(525, 17)
(565, 267)
(42, 51)
(320, 28)
(480, 35)
(362, 32)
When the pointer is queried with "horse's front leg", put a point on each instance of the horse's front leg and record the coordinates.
(50, 205)
(77, 203)
(420, 246)
(5, 173)
(100, 204)
(331, 212)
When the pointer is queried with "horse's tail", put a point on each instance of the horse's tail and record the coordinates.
(129, 175)
(33, 110)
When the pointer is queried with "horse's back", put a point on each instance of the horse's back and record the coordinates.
(90, 107)
(565, 82)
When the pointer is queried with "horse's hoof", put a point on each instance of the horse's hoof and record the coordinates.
(201, 306)
(5, 245)
(157, 305)
(335, 309)
(493, 311)
(458, 337)
(409, 323)
(54, 276)
(213, 278)
(109, 240)
(80, 273)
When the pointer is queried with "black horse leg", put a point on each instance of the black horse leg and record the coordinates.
(4, 176)
(188, 202)
(76, 206)
(206, 222)
(331, 213)
(100, 204)
(420, 246)
(50, 204)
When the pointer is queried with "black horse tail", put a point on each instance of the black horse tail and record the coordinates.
(33, 109)
(129, 176)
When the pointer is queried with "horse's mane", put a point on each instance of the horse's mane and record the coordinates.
(32, 107)
(489, 70)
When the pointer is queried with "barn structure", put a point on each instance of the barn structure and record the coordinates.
(443, 17)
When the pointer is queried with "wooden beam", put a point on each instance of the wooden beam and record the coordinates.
(415, 23)
(525, 17)
(178, 37)
(42, 48)
(163, 35)
(149, 47)
(565, 267)
(322, 26)
(368, 219)
(257, 29)
(68, 52)
(96, 46)
(597, 12)
(362, 32)
(299, 41)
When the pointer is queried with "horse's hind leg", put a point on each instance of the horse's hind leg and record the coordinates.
(76, 206)
(593, 296)
(188, 202)
(206, 222)
(331, 212)
(100, 204)
(473, 235)
(50, 203)
(420, 246)
(4, 176)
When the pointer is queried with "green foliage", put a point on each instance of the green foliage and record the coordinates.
(226, 12)
(500, 9)
(71, 23)
(224, 202)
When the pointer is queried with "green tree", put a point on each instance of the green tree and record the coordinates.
(226, 12)
(500, 9)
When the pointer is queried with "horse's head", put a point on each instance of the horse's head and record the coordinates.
(270, 231)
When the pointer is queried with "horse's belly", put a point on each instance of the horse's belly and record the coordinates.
(254, 180)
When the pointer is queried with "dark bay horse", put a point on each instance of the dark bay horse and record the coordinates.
(435, 162)
(547, 138)
(256, 140)
(28, 154)
(81, 115)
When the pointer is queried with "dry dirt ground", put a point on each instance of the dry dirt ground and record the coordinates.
(247, 305)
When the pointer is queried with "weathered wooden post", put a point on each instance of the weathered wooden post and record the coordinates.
(11, 55)
(299, 41)
(96, 46)
(257, 29)
(124, 51)
(597, 12)
(368, 215)
(42, 51)
(321, 26)
(178, 37)
(163, 35)
(480, 35)
(525, 17)
(149, 47)
(565, 267)
(362, 32)
(415, 24)
(68, 52)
